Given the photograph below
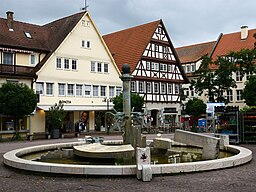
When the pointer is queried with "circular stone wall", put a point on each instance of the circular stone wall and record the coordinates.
(12, 159)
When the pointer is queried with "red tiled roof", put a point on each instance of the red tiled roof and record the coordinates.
(127, 46)
(193, 53)
(232, 42)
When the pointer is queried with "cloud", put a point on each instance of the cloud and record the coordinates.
(187, 21)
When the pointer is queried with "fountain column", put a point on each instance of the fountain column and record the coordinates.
(129, 137)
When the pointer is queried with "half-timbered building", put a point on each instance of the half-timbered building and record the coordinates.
(155, 66)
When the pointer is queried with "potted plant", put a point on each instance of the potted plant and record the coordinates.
(56, 117)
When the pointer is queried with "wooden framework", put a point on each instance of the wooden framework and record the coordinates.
(158, 76)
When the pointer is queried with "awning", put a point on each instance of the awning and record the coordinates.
(79, 107)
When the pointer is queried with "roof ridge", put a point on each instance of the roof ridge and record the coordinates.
(136, 26)
(63, 18)
(196, 44)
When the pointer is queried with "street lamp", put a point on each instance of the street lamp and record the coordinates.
(107, 100)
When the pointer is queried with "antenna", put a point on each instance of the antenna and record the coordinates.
(85, 5)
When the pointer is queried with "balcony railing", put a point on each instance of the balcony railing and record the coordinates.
(16, 70)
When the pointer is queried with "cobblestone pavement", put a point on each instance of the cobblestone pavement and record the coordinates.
(238, 179)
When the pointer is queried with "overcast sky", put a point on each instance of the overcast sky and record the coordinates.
(187, 21)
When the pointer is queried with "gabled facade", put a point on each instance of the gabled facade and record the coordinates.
(224, 45)
(72, 65)
(190, 58)
(157, 72)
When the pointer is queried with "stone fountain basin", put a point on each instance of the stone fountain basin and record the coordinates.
(97, 150)
(13, 159)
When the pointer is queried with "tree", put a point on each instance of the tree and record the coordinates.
(195, 108)
(205, 80)
(136, 101)
(249, 91)
(56, 117)
(223, 80)
(215, 83)
(17, 100)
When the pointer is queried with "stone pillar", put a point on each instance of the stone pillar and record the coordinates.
(143, 158)
(126, 78)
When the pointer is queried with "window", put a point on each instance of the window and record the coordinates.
(79, 90)
(149, 87)
(169, 88)
(163, 67)
(74, 64)
(184, 68)
(148, 65)
(111, 91)
(70, 89)
(86, 44)
(66, 63)
(141, 87)
(155, 66)
(187, 92)
(163, 88)
(230, 95)
(118, 91)
(40, 88)
(85, 23)
(32, 59)
(239, 95)
(188, 69)
(8, 58)
(99, 67)
(58, 63)
(27, 34)
(239, 76)
(156, 48)
(177, 89)
(103, 91)
(248, 75)
(192, 93)
(170, 68)
(156, 87)
(95, 90)
(49, 88)
(93, 65)
(133, 86)
(61, 89)
(193, 68)
(87, 91)
(105, 67)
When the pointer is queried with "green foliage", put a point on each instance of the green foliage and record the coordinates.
(223, 80)
(56, 115)
(17, 100)
(205, 79)
(195, 107)
(136, 101)
(215, 83)
(249, 93)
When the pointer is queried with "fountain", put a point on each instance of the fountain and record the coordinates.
(133, 146)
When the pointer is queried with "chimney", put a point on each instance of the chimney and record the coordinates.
(10, 20)
(244, 32)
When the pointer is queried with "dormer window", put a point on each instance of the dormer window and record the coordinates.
(27, 34)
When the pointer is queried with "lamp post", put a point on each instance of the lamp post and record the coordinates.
(107, 100)
(129, 135)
